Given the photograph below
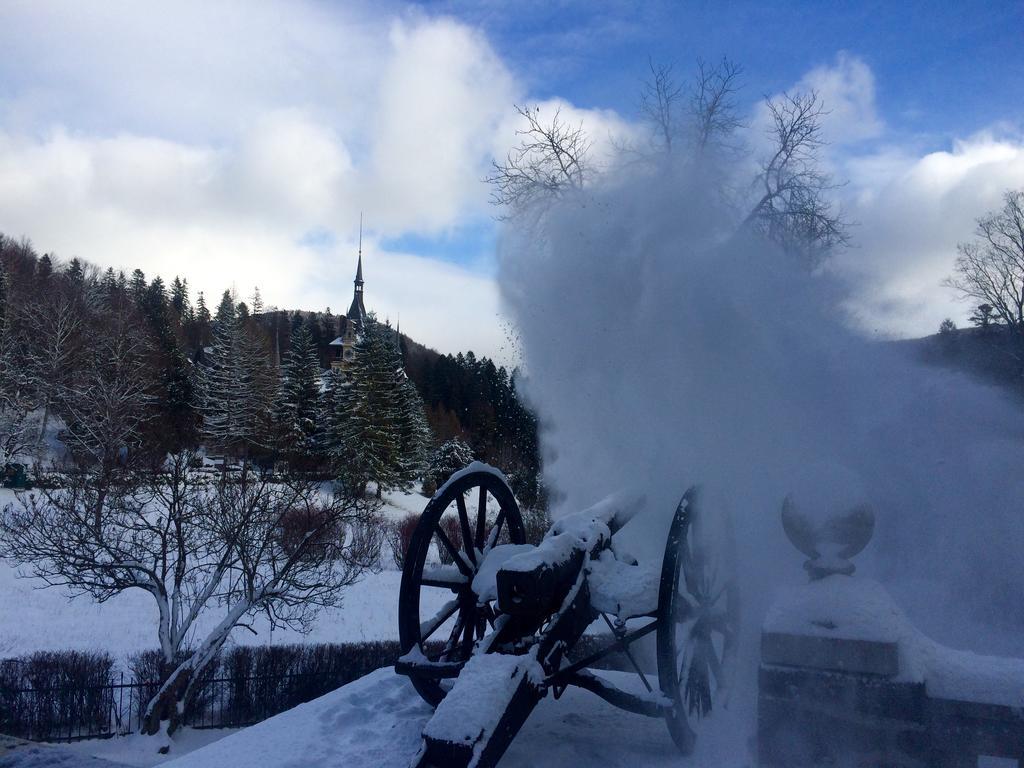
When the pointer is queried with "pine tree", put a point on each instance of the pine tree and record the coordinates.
(109, 287)
(138, 285)
(45, 268)
(197, 329)
(376, 427)
(179, 298)
(234, 402)
(451, 456)
(298, 404)
(226, 308)
(202, 313)
(415, 437)
(75, 272)
(177, 416)
(154, 299)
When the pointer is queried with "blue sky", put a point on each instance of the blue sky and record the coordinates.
(236, 143)
(943, 65)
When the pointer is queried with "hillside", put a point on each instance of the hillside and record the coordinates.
(994, 354)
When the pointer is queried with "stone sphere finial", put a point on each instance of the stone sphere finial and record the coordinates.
(829, 545)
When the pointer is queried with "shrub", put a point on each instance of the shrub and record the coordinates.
(299, 521)
(536, 523)
(453, 530)
(53, 696)
(263, 681)
(398, 534)
(70, 694)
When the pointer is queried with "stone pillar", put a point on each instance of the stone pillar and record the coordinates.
(828, 688)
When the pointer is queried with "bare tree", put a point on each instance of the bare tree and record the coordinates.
(105, 405)
(54, 324)
(991, 269)
(702, 120)
(17, 429)
(552, 157)
(209, 555)
(713, 106)
(660, 101)
(792, 207)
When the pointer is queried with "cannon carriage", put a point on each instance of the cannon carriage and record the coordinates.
(512, 615)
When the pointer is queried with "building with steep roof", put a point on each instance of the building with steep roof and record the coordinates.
(355, 320)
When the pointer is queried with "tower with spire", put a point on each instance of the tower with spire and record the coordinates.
(355, 318)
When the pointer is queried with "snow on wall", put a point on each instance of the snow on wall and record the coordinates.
(861, 609)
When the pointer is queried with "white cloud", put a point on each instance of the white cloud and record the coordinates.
(847, 91)
(910, 207)
(442, 98)
(912, 211)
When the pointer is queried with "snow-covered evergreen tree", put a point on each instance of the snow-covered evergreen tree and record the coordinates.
(234, 391)
(175, 401)
(414, 431)
(375, 425)
(179, 298)
(451, 456)
(202, 313)
(298, 403)
(226, 308)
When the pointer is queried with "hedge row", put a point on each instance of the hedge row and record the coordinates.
(70, 694)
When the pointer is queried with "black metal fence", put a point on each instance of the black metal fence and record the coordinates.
(73, 711)
(87, 712)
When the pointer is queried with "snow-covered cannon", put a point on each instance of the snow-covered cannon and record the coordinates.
(489, 625)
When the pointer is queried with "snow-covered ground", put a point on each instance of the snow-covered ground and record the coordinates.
(139, 751)
(134, 751)
(33, 618)
(377, 721)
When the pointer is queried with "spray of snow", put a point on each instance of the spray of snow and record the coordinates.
(662, 348)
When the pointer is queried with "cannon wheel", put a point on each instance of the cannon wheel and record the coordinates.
(469, 493)
(698, 618)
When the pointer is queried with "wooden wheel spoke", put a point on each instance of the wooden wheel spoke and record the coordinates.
(467, 534)
(443, 576)
(714, 663)
(453, 636)
(468, 637)
(721, 622)
(454, 586)
(429, 627)
(691, 575)
(682, 662)
(687, 607)
(456, 555)
(481, 518)
(496, 531)
(488, 613)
